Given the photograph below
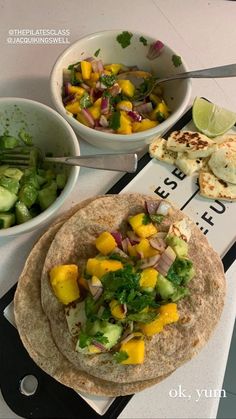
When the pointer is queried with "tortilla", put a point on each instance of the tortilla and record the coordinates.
(35, 332)
(179, 342)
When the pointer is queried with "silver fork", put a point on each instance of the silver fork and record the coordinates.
(32, 156)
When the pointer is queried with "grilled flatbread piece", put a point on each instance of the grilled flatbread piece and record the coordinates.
(193, 143)
(158, 150)
(215, 188)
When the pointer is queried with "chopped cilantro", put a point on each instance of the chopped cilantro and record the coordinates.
(176, 60)
(146, 219)
(85, 101)
(120, 356)
(73, 78)
(124, 38)
(107, 80)
(142, 317)
(86, 340)
(143, 40)
(114, 122)
(71, 66)
(160, 116)
(157, 218)
(97, 52)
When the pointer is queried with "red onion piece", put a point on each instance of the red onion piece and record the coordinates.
(166, 260)
(155, 50)
(120, 252)
(67, 86)
(100, 66)
(99, 345)
(115, 89)
(103, 121)
(89, 59)
(140, 255)
(124, 308)
(94, 64)
(151, 206)
(157, 243)
(135, 116)
(85, 86)
(66, 75)
(152, 261)
(127, 338)
(125, 244)
(70, 98)
(105, 105)
(163, 208)
(133, 238)
(144, 108)
(88, 117)
(118, 237)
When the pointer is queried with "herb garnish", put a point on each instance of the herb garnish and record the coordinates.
(176, 60)
(114, 122)
(85, 101)
(97, 52)
(120, 356)
(107, 80)
(143, 40)
(124, 38)
(85, 340)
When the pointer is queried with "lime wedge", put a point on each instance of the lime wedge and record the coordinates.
(210, 119)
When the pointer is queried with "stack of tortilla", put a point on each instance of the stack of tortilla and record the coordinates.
(41, 321)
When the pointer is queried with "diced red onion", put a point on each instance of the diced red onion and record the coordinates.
(151, 206)
(140, 255)
(115, 89)
(125, 244)
(161, 234)
(163, 208)
(127, 338)
(94, 64)
(152, 261)
(100, 86)
(144, 108)
(70, 98)
(120, 252)
(103, 121)
(118, 237)
(155, 50)
(94, 288)
(105, 105)
(100, 66)
(124, 308)
(89, 59)
(85, 86)
(91, 94)
(67, 86)
(88, 117)
(135, 116)
(133, 238)
(99, 345)
(166, 260)
(66, 75)
(158, 243)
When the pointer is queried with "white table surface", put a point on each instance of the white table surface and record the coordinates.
(204, 33)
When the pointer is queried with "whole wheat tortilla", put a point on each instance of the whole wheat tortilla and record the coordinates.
(179, 342)
(35, 332)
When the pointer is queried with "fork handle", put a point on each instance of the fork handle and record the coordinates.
(126, 162)
(214, 72)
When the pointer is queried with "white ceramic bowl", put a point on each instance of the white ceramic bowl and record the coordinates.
(176, 93)
(52, 134)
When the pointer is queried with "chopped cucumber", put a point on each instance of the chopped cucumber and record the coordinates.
(13, 173)
(7, 199)
(164, 287)
(22, 213)
(111, 331)
(28, 194)
(7, 142)
(9, 183)
(61, 180)
(47, 195)
(6, 220)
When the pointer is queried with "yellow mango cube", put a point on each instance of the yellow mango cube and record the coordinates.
(78, 76)
(93, 349)
(169, 313)
(73, 107)
(107, 266)
(92, 266)
(117, 310)
(113, 68)
(136, 220)
(86, 69)
(127, 87)
(144, 125)
(98, 102)
(162, 110)
(140, 227)
(64, 283)
(131, 250)
(94, 76)
(96, 281)
(135, 348)
(105, 243)
(78, 90)
(125, 104)
(125, 124)
(81, 118)
(145, 249)
(146, 230)
(95, 111)
(148, 278)
(150, 329)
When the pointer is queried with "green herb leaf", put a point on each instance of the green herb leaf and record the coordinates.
(84, 340)
(71, 66)
(143, 40)
(181, 271)
(124, 39)
(120, 356)
(160, 116)
(85, 101)
(114, 121)
(100, 337)
(97, 52)
(157, 218)
(108, 80)
(73, 78)
(146, 219)
(142, 317)
(176, 60)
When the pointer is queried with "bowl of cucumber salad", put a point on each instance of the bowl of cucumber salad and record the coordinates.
(31, 194)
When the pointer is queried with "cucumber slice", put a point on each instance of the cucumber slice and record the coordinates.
(22, 213)
(28, 195)
(6, 220)
(7, 199)
(13, 173)
(10, 184)
(47, 196)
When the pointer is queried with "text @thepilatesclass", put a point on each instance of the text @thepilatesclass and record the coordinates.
(38, 36)
(196, 395)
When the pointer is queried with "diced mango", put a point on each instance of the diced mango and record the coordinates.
(117, 310)
(150, 329)
(143, 125)
(105, 243)
(107, 266)
(95, 111)
(93, 349)
(142, 230)
(169, 313)
(136, 220)
(73, 107)
(98, 102)
(64, 283)
(92, 265)
(96, 281)
(160, 112)
(76, 89)
(148, 278)
(127, 87)
(86, 69)
(94, 76)
(125, 124)
(125, 104)
(78, 76)
(155, 99)
(145, 249)
(81, 118)
(131, 250)
(135, 349)
(114, 68)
